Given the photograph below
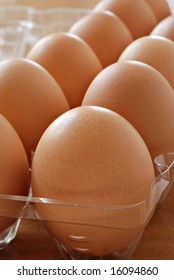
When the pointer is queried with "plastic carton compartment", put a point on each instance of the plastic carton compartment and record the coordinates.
(89, 231)
(48, 21)
(21, 26)
(14, 31)
(171, 5)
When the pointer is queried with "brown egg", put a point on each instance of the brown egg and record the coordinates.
(70, 60)
(106, 34)
(160, 8)
(165, 28)
(156, 51)
(141, 95)
(14, 172)
(30, 99)
(137, 15)
(92, 156)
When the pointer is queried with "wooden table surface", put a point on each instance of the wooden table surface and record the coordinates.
(34, 242)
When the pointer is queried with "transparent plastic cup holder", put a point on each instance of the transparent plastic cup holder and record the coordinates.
(165, 166)
(8, 234)
(13, 40)
(84, 231)
(38, 23)
(14, 31)
(44, 22)
(171, 5)
(22, 26)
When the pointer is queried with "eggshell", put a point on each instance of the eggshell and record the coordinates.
(165, 28)
(14, 171)
(141, 95)
(106, 34)
(30, 99)
(160, 8)
(155, 51)
(70, 60)
(91, 156)
(137, 15)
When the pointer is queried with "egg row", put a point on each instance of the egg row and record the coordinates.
(96, 106)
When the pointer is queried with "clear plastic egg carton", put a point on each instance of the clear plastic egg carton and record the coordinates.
(171, 5)
(21, 26)
(48, 21)
(85, 231)
(13, 31)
